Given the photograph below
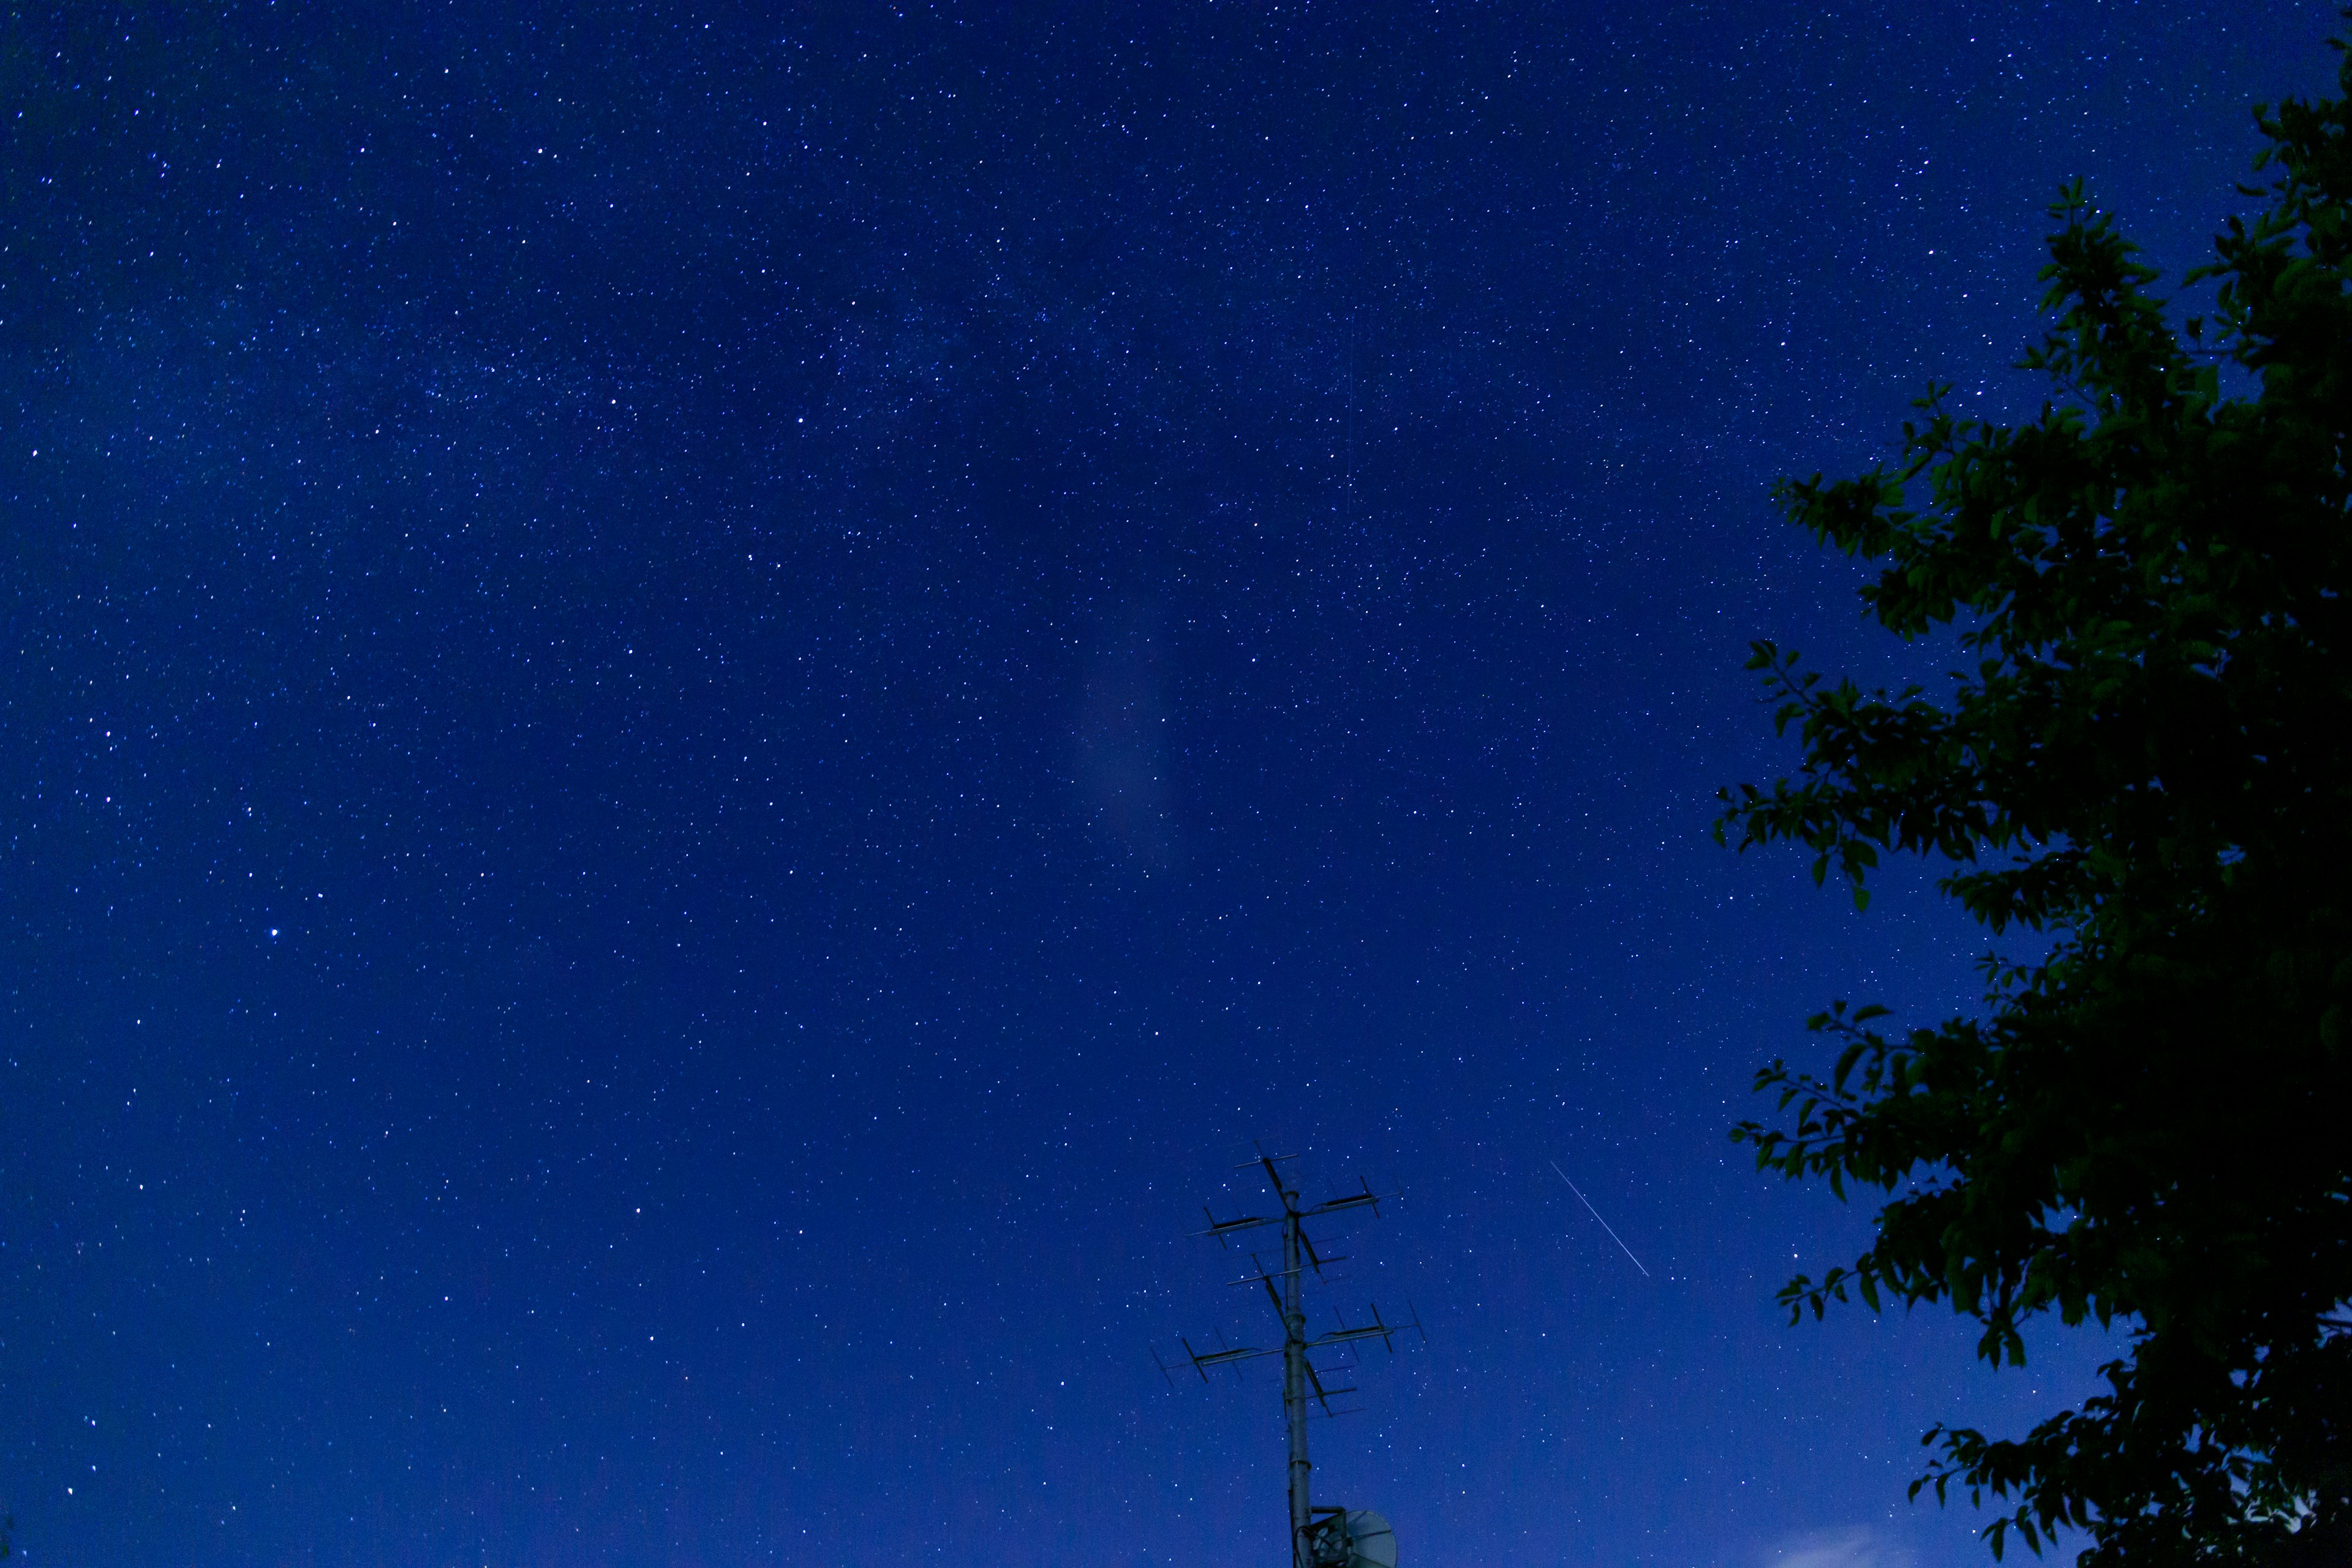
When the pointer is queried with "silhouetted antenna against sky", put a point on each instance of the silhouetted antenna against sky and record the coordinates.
(1326, 1536)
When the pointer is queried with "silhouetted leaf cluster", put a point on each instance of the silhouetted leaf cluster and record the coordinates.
(2145, 774)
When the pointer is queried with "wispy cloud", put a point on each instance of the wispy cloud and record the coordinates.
(1857, 1547)
(1122, 738)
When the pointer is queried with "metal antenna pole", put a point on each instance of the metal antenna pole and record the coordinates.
(1310, 1542)
(1294, 1377)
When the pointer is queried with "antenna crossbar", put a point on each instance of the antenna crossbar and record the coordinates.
(1304, 1387)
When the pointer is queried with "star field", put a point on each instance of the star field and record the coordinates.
(703, 708)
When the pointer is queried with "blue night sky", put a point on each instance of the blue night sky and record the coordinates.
(703, 707)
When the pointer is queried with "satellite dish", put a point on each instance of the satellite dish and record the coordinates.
(1352, 1538)
(1371, 1542)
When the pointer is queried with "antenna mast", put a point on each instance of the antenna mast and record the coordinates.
(1318, 1536)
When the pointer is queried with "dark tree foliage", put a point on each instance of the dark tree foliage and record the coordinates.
(2146, 767)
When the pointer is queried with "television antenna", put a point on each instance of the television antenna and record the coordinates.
(1320, 1536)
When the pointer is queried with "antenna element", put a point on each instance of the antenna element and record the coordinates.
(1322, 1537)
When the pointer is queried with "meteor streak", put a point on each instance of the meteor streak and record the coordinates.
(1596, 1215)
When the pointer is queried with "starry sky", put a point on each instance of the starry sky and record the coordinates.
(703, 707)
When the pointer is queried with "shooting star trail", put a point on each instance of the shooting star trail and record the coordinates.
(1596, 1214)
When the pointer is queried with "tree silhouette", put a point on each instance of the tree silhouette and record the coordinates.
(2146, 763)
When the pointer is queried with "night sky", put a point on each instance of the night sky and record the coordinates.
(705, 707)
